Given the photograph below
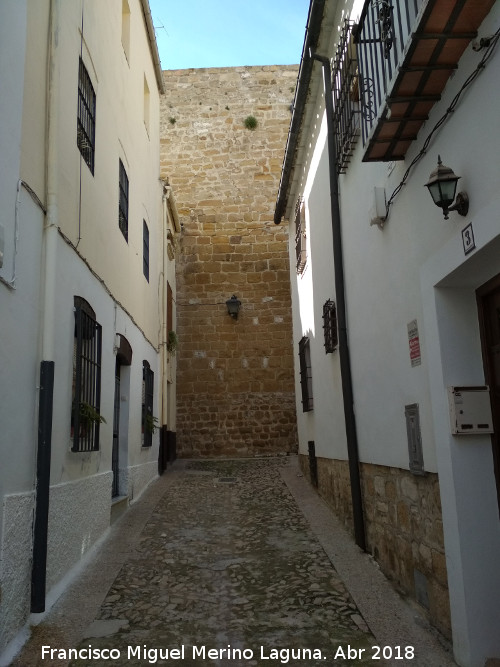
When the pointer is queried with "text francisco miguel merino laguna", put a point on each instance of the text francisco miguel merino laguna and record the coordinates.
(152, 655)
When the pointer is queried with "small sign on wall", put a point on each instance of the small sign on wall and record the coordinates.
(414, 343)
(468, 239)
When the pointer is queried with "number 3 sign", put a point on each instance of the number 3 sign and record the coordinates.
(468, 238)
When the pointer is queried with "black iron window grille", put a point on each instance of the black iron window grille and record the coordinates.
(123, 202)
(345, 89)
(145, 250)
(87, 350)
(305, 374)
(85, 133)
(330, 326)
(300, 236)
(148, 423)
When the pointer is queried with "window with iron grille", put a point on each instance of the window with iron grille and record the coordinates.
(300, 236)
(305, 374)
(85, 134)
(346, 105)
(87, 350)
(145, 250)
(148, 424)
(330, 326)
(123, 202)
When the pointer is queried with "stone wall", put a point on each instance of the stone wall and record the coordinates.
(235, 391)
(403, 525)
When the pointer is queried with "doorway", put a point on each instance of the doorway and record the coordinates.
(115, 456)
(488, 300)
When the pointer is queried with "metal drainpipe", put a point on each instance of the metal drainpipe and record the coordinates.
(45, 408)
(344, 356)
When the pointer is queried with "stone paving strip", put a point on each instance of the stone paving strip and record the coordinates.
(228, 561)
(227, 570)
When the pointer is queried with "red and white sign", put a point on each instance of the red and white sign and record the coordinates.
(414, 343)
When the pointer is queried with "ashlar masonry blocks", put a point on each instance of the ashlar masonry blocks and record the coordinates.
(235, 386)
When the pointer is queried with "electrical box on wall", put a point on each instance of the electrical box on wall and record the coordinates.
(470, 410)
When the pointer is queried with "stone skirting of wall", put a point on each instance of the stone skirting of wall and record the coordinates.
(15, 563)
(247, 424)
(403, 525)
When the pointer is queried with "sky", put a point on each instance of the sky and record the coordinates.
(229, 33)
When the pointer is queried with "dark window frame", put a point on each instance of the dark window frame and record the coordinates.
(300, 236)
(86, 378)
(147, 403)
(306, 374)
(145, 250)
(330, 329)
(346, 103)
(85, 133)
(123, 200)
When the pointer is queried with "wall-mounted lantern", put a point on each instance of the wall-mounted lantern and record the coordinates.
(233, 306)
(442, 185)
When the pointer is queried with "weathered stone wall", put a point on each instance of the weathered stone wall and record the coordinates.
(403, 525)
(235, 391)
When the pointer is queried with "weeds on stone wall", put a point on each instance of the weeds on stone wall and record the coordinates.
(250, 122)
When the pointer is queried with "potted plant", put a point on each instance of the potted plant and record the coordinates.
(87, 417)
(151, 423)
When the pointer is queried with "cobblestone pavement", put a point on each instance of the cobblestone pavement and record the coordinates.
(228, 560)
(231, 564)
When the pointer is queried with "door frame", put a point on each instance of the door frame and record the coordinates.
(482, 293)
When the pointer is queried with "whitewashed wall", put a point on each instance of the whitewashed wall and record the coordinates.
(415, 268)
(95, 262)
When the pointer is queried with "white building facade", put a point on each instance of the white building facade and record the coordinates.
(395, 307)
(87, 383)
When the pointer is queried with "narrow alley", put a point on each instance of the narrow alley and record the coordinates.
(231, 562)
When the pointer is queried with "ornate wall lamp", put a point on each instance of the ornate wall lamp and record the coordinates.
(442, 185)
(233, 306)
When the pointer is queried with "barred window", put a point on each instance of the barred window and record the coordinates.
(148, 422)
(330, 326)
(87, 349)
(305, 374)
(85, 134)
(345, 89)
(145, 250)
(123, 202)
(300, 236)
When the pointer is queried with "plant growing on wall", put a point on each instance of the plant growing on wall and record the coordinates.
(250, 122)
(172, 341)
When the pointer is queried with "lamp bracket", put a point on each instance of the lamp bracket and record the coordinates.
(461, 205)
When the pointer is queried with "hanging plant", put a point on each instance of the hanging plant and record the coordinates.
(172, 341)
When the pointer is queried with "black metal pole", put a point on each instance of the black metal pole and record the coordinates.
(344, 356)
(39, 568)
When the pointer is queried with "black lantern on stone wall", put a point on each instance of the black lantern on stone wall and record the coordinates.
(233, 306)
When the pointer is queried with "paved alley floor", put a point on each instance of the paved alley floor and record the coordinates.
(232, 563)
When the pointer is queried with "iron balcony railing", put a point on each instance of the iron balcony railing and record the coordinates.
(384, 29)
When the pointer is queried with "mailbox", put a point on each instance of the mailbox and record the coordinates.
(470, 410)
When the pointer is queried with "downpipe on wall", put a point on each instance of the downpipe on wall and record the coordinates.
(344, 355)
(45, 407)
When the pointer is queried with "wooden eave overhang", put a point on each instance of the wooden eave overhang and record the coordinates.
(442, 33)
